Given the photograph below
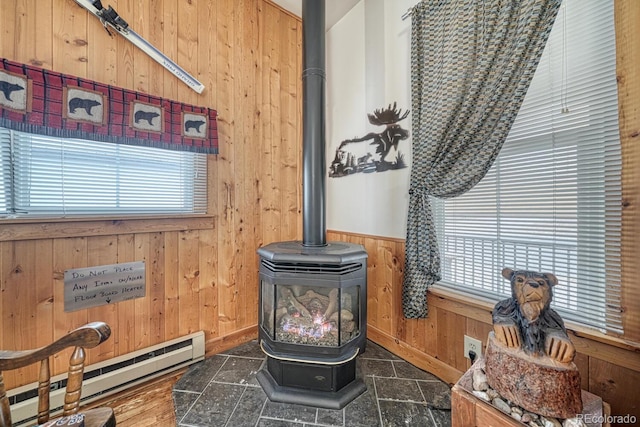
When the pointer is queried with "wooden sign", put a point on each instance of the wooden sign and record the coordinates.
(101, 285)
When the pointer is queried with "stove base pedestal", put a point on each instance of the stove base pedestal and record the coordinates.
(330, 386)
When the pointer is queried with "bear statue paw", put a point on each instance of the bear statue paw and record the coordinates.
(560, 348)
(508, 335)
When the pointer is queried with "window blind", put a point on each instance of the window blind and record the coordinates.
(5, 177)
(56, 176)
(552, 200)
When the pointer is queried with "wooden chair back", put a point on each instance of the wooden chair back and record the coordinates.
(87, 336)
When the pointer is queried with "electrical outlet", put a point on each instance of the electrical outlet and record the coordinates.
(472, 344)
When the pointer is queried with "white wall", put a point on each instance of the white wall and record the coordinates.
(368, 69)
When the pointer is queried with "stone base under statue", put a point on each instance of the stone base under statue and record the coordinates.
(537, 384)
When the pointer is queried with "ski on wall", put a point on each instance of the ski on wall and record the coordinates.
(110, 19)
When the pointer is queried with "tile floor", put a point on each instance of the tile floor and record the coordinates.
(223, 391)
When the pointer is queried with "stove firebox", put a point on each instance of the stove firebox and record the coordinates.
(312, 322)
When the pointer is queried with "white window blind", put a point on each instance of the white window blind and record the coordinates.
(5, 177)
(552, 200)
(55, 176)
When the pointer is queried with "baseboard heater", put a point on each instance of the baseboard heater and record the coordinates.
(111, 376)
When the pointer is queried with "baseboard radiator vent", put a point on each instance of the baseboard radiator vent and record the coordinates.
(111, 376)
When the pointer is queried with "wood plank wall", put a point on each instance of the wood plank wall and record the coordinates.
(201, 271)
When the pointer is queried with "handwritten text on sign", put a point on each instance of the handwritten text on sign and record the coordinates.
(106, 284)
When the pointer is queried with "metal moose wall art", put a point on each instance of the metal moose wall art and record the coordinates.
(351, 157)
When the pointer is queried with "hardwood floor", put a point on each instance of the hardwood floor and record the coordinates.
(146, 405)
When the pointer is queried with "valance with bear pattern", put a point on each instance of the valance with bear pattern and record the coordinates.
(44, 102)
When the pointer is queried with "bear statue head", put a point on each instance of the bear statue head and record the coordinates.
(531, 290)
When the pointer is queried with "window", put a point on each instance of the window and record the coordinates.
(552, 200)
(43, 175)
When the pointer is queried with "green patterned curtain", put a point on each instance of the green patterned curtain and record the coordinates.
(471, 64)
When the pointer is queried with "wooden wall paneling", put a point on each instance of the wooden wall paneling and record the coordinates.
(246, 219)
(142, 328)
(156, 287)
(19, 302)
(209, 245)
(43, 284)
(209, 266)
(625, 356)
(125, 52)
(384, 275)
(254, 167)
(208, 283)
(172, 285)
(155, 30)
(290, 127)
(207, 52)
(272, 156)
(451, 327)
(398, 263)
(235, 189)
(616, 385)
(145, 72)
(44, 25)
(102, 50)
(299, 122)
(8, 11)
(464, 306)
(627, 16)
(69, 253)
(170, 46)
(70, 52)
(226, 25)
(25, 32)
(263, 181)
(413, 333)
(373, 304)
(102, 250)
(189, 282)
(122, 330)
(6, 339)
(187, 46)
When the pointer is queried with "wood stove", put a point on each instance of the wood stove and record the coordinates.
(312, 317)
(312, 322)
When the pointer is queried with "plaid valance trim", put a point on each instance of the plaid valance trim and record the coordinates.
(44, 102)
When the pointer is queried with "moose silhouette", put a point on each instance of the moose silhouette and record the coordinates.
(345, 162)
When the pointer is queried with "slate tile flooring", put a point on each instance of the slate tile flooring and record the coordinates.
(223, 391)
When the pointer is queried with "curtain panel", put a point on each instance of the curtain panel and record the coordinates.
(471, 64)
(44, 102)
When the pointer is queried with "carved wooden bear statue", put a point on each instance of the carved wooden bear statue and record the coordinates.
(526, 321)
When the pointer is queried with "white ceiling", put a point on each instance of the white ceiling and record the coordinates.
(335, 9)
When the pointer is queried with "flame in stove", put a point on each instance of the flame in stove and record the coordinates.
(315, 329)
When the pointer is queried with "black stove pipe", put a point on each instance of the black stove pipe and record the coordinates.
(313, 124)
